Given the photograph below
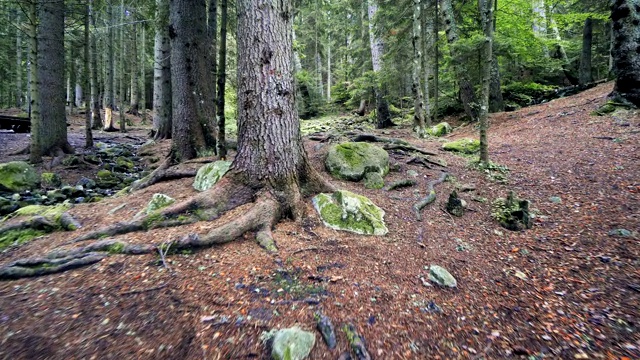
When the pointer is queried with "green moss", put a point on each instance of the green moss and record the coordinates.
(52, 213)
(373, 180)
(152, 220)
(352, 160)
(104, 174)
(512, 213)
(440, 129)
(465, 146)
(17, 176)
(347, 211)
(209, 174)
(493, 171)
(125, 163)
(117, 248)
(18, 237)
(50, 180)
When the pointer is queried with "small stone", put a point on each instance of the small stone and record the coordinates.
(209, 174)
(620, 232)
(546, 337)
(292, 344)
(555, 200)
(520, 275)
(412, 173)
(159, 201)
(441, 276)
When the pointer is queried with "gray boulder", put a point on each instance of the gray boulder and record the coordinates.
(291, 344)
(159, 201)
(209, 174)
(344, 210)
(441, 276)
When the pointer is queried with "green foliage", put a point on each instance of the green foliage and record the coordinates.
(525, 94)
(310, 102)
(18, 237)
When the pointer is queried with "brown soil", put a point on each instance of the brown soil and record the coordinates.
(580, 297)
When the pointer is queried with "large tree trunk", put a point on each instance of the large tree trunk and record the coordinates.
(486, 10)
(436, 59)
(193, 127)
(270, 151)
(467, 93)
(50, 135)
(96, 119)
(585, 59)
(377, 46)
(625, 15)
(162, 123)
(416, 89)
(222, 81)
(109, 102)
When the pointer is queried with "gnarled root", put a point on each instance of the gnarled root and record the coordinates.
(43, 266)
(431, 197)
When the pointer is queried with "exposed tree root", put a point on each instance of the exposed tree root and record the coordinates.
(66, 221)
(408, 148)
(42, 266)
(426, 161)
(165, 172)
(374, 138)
(431, 197)
(400, 184)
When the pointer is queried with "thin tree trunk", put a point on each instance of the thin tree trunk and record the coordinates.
(34, 95)
(143, 75)
(377, 46)
(486, 8)
(329, 69)
(212, 33)
(19, 92)
(416, 89)
(88, 143)
(496, 101)
(467, 93)
(436, 60)
(109, 91)
(72, 76)
(426, 32)
(585, 59)
(162, 122)
(193, 129)
(133, 56)
(96, 119)
(222, 81)
(121, 71)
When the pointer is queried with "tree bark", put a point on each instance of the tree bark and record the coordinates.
(586, 76)
(34, 95)
(162, 122)
(193, 129)
(50, 135)
(625, 15)
(467, 93)
(416, 89)
(377, 46)
(212, 32)
(71, 74)
(270, 151)
(96, 119)
(222, 81)
(496, 101)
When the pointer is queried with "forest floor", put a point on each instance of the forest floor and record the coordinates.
(569, 288)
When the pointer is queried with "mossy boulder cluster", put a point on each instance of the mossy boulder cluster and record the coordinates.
(159, 201)
(344, 210)
(465, 146)
(353, 160)
(209, 174)
(440, 129)
(54, 220)
(18, 176)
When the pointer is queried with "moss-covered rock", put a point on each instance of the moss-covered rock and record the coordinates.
(373, 180)
(465, 146)
(442, 277)
(51, 213)
(512, 213)
(18, 237)
(124, 164)
(344, 210)
(106, 179)
(18, 176)
(50, 180)
(159, 201)
(209, 174)
(71, 160)
(290, 344)
(440, 129)
(352, 160)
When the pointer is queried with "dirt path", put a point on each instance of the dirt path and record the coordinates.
(576, 292)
